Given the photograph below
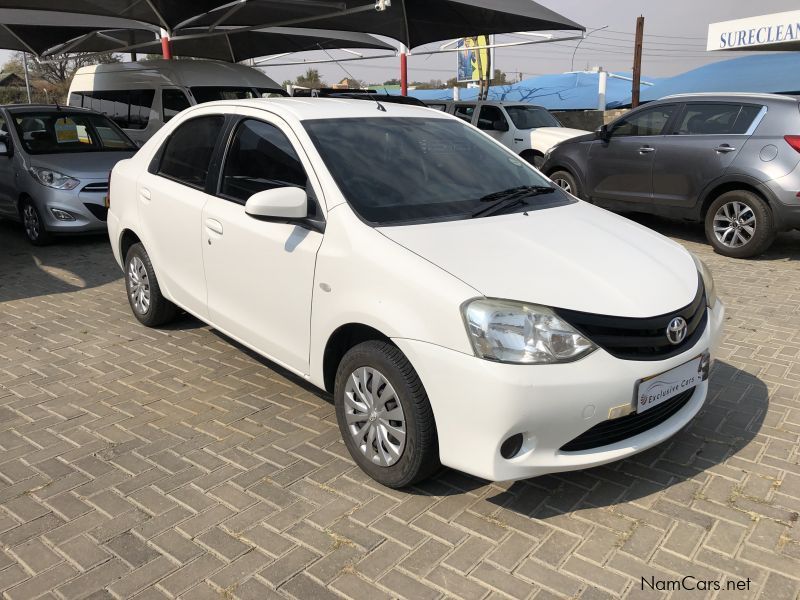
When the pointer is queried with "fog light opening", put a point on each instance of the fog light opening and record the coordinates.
(511, 446)
(62, 215)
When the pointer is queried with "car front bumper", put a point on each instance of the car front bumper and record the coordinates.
(479, 404)
(85, 204)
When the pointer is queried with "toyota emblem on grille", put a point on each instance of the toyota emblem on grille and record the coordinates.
(677, 330)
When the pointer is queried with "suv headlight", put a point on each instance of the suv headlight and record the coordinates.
(708, 281)
(525, 334)
(54, 179)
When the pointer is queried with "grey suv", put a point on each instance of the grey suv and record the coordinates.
(728, 160)
(54, 167)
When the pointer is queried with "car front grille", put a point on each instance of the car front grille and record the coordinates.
(641, 339)
(100, 212)
(98, 187)
(617, 430)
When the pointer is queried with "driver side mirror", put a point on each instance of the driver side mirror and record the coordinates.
(500, 126)
(603, 133)
(283, 203)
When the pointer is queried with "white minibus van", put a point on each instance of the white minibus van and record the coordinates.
(141, 96)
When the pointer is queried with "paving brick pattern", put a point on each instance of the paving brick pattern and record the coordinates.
(173, 464)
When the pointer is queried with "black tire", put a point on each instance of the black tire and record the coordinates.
(534, 158)
(568, 179)
(33, 225)
(757, 208)
(419, 458)
(158, 311)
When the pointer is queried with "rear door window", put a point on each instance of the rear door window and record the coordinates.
(173, 101)
(465, 112)
(186, 156)
(716, 118)
(130, 109)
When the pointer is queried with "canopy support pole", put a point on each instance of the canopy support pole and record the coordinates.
(166, 49)
(404, 73)
(27, 79)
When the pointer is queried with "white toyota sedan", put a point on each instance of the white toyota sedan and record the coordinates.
(461, 309)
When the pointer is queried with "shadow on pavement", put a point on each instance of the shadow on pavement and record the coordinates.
(731, 418)
(70, 264)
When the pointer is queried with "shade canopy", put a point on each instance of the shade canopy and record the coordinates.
(36, 31)
(235, 46)
(412, 22)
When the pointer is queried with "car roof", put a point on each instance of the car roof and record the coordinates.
(45, 108)
(307, 109)
(733, 96)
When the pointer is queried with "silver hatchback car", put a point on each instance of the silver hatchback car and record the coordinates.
(54, 168)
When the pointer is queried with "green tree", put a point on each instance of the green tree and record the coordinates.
(500, 78)
(310, 79)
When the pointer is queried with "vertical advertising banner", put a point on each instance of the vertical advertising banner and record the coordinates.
(474, 59)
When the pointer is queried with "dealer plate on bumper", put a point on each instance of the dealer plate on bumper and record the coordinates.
(658, 389)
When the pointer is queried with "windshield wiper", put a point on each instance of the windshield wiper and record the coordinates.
(510, 198)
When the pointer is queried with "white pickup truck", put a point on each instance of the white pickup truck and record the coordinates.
(529, 130)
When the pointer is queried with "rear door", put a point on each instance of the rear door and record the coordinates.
(465, 111)
(620, 170)
(172, 195)
(703, 143)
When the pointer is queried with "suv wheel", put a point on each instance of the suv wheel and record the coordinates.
(144, 294)
(739, 224)
(33, 224)
(384, 415)
(566, 181)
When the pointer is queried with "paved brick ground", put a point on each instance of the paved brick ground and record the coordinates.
(173, 464)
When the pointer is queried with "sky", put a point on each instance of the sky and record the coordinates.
(675, 41)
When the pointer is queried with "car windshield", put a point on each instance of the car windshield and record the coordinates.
(209, 93)
(531, 117)
(402, 170)
(57, 132)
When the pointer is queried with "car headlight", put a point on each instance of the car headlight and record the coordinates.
(526, 334)
(54, 179)
(708, 281)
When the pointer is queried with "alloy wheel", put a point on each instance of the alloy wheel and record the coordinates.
(30, 219)
(138, 285)
(563, 184)
(375, 416)
(734, 224)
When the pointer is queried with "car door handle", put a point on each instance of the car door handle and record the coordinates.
(145, 194)
(724, 149)
(214, 226)
(646, 150)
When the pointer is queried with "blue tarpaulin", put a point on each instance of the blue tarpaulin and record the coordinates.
(766, 73)
(566, 91)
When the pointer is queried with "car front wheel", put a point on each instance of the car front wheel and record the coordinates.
(147, 302)
(566, 181)
(739, 224)
(33, 224)
(384, 415)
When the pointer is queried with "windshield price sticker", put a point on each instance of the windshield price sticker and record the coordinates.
(66, 131)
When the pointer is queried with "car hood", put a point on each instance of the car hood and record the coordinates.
(547, 137)
(81, 165)
(576, 257)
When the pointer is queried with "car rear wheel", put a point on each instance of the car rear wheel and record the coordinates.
(33, 224)
(384, 415)
(147, 302)
(739, 224)
(566, 181)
